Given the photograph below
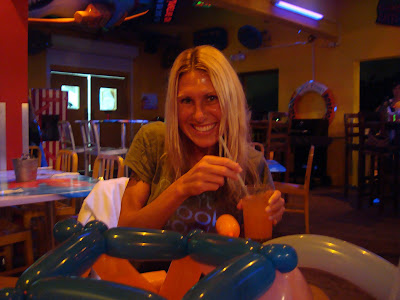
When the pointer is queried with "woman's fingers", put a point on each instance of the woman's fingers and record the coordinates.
(276, 207)
(208, 175)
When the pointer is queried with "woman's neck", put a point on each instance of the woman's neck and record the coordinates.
(198, 153)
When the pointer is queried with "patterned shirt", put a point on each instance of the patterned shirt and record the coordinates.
(147, 158)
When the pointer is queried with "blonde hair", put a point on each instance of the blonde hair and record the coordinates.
(234, 125)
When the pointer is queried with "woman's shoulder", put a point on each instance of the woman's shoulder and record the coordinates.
(254, 155)
(154, 128)
(154, 131)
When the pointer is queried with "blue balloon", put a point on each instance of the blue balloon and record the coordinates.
(98, 225)
(64, 229)
(84, 288)
(247, 277)
(10, 293)
(215, 249)
(284, 257)
(73, 257)
(145, 244)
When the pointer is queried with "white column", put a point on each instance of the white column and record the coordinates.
(25, 128)
(3, 140)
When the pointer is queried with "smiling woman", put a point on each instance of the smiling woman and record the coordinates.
(182, 178)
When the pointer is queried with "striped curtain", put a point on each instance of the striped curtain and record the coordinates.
(50, 102)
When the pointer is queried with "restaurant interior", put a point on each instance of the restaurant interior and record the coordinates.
(313, 87)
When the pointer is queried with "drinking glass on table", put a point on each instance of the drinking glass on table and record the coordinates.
(257, 225)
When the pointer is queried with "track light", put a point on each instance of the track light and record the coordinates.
(298, 10)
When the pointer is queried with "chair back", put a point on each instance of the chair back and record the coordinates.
(258, 146)
(88, 136)
(372, 130)
(310, 159)
(279, 124)
(34, 151)
(105, 165)
(67, 161)
(67, 139)
(351, 128)
(259, 131)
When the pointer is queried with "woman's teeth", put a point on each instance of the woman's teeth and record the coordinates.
(204, 128)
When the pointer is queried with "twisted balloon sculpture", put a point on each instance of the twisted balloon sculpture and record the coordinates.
(95, 13)
(245, 269)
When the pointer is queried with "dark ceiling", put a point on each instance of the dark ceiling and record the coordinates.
(139, 30)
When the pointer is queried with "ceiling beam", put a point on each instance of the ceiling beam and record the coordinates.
(264, 8)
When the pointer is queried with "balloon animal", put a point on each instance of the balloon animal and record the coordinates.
(365, 269)
(245, 269)
(96, 13)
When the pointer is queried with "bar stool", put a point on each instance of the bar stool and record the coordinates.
(67, 139)
(377, 158)
(91, 142)
(352, 134)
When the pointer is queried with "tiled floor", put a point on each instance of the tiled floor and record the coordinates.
(332, 215)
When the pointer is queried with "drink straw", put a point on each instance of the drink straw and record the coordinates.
(221, 140)
(396, 282)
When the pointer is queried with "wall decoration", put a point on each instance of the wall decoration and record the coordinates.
(149, 101)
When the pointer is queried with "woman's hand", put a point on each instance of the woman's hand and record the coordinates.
(275, 208)
(207, 175)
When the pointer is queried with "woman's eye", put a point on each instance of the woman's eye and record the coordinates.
(212, 98)
(186, 100)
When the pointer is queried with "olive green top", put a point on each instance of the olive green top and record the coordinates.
(147, 159)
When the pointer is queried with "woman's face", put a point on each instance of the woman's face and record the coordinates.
(199, 112)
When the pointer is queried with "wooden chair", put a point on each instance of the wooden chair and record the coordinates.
(259, 131)
(351, 134)
(11, 234)
(378, 161)
(260, 147)
(67, 161)
(302, 190)
(104, 166)
(34, 151)
(278, 138)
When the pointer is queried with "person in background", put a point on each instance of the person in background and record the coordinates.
(181, 177)
(35, 136)
(391, 108)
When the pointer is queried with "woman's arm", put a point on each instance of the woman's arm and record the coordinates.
(207, 175)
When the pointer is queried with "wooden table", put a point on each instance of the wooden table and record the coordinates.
(49, 186)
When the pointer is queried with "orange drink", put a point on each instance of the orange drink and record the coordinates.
(257, 225)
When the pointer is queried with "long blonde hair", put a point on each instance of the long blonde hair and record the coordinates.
(234, 125)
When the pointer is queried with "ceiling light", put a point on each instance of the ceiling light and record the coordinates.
(298, 10)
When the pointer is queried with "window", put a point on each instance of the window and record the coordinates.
(108, 99)
(73, 96)
(261, 90)
(376, 79)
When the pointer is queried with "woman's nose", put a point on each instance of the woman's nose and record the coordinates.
(199, 114)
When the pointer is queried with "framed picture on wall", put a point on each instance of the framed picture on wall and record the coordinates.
(149, 101)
